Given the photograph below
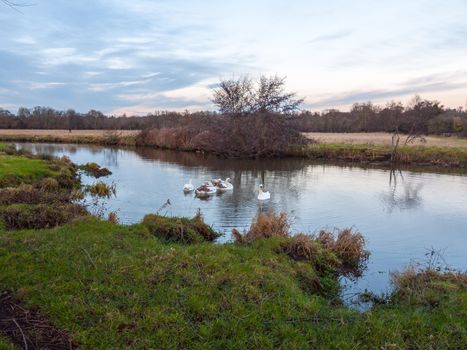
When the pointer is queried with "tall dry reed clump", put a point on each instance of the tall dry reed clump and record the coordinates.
(349, 247)
(344, 252)
(246, 136)
(265, 225)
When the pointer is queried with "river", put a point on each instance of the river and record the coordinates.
(403, 214)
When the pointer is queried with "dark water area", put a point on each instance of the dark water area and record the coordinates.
(402, 214)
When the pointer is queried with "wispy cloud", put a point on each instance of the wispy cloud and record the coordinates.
(330, 37)
(433, 83)
(143, 55)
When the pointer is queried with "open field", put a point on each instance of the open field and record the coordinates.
(103, 137)
(64, 133)
(382, 138)
(379, 138)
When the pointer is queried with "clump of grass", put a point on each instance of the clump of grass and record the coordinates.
(265, 225)
(93, 169)
(426, 287)
(101, 190)
(181, 230)
(349, 248)
(303, 247)
(28, 194)
(49, 184)
(27, 216)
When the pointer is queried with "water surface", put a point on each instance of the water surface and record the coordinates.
(402, 214)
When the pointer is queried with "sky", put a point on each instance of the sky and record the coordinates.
(139, 56)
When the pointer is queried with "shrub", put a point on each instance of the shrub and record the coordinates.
(246, 136)
(181, 230)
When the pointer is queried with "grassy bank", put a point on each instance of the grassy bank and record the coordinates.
(98, 137)
(455, 157)
(113, 286)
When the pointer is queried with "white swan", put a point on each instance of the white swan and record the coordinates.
(262, 196)
(223, 186)
(206, 189)
(189, 187)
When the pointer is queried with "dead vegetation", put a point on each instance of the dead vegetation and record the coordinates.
(349, 247)
(265, 225)
(28, 328)
(95, 170)
(427, 287)
(342, 250)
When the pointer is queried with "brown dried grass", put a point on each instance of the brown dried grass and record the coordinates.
(265, 225)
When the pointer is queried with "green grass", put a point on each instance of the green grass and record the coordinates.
(19, 169)
(5, 344)
(116, 287)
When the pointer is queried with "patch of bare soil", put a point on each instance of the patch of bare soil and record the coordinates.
(28, 329)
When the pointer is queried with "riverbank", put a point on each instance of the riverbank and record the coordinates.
(453, 157)
(100, 137)
(112, 286)
(351, 148)
(95, 284)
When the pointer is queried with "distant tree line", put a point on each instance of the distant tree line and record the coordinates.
(421, 116)
(261, 97)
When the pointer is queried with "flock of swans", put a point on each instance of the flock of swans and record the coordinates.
(213, 186)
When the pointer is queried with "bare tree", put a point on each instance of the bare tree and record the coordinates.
(234, 96)
(266, 94)
(270, 96)
(15, 5)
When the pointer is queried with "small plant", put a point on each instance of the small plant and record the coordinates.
(93, 169)
(113, 218)
(101, 190)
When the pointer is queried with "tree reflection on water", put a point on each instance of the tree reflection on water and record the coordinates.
(402, 194)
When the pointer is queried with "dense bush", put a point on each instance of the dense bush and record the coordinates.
(259, 135)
